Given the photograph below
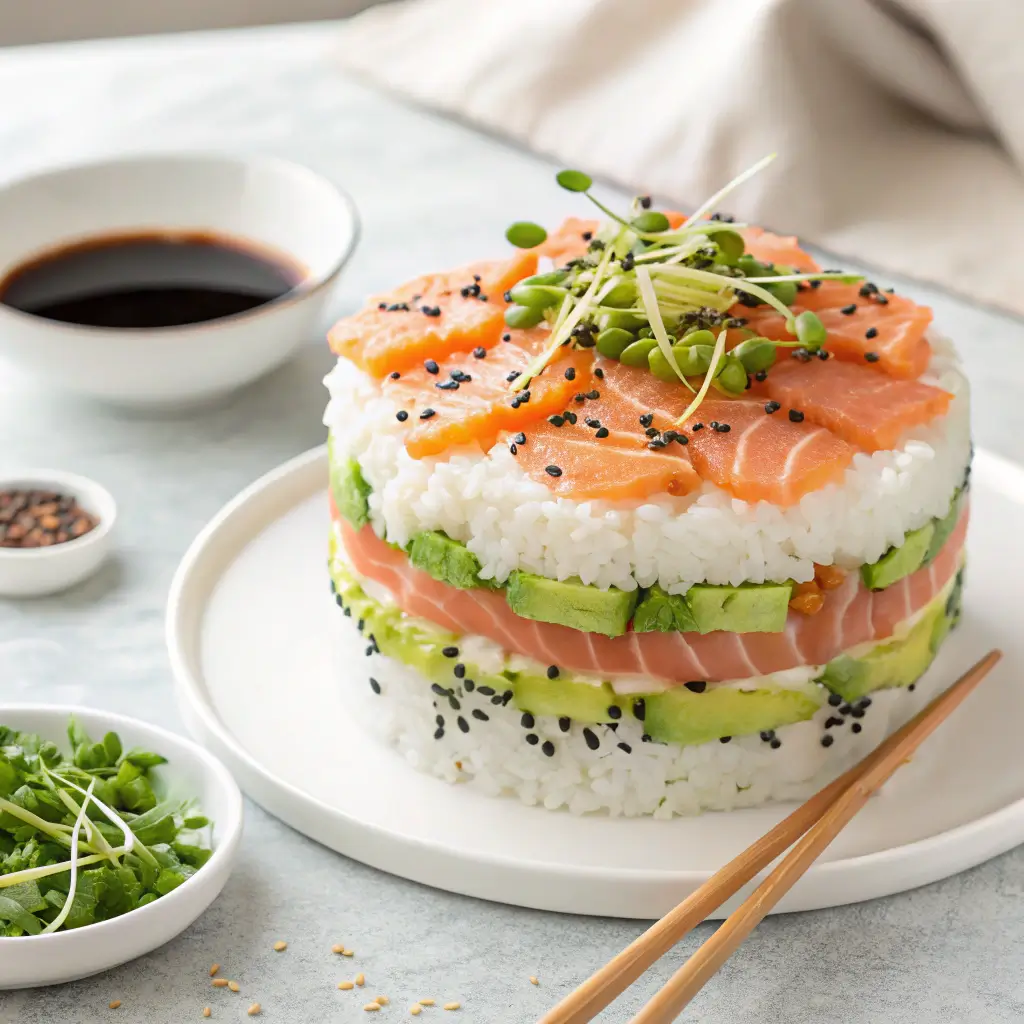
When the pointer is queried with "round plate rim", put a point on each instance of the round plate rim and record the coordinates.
(993, 830)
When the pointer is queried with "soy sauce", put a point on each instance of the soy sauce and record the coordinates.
(145, 280)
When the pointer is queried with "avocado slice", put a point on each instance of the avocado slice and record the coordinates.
(944, 527)
(898, 663)
(349, 489)
(748, 608)
(580, 701)
(899, 562)
(447, 560)
(571, 603)
(683, 717)
(662, 612)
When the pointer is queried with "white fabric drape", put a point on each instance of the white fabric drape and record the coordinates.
(899, 124)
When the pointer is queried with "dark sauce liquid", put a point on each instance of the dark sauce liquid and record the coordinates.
(149, 280)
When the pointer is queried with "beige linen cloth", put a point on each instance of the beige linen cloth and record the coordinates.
(899, 125)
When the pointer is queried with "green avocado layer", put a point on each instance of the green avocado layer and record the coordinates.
(686, 715)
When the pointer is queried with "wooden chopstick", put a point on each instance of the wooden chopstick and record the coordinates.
(824, 815)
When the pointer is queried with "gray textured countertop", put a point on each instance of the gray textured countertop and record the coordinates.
(430, 193)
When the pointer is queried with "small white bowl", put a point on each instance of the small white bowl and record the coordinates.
(190, 772)
(33, 572)
(273, 204)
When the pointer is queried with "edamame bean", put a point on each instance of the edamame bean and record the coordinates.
(698, 337)
(540, 296)
(622, 296)
(626, 321)
(523, 316)
(637, 353)
(732, 377)
(614, 341)
(755, 354)
(694, 360)
(659, 365)
(552, 277)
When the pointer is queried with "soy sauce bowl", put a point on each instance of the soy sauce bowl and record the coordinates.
(264, 203)
(36, 572)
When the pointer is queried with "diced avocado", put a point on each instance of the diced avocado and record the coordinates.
(681, 716)
(748, 608)
(944, 527)
(447, 560)
(350, 491)
(898, 663)
(571, 603)
(662, 612)
(899, 562)
(582, 702)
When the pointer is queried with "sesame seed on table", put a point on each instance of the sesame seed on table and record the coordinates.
(948, 951)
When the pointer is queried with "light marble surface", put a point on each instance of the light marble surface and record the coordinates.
(430, 193)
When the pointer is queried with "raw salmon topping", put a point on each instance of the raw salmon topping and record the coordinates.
(431, 317)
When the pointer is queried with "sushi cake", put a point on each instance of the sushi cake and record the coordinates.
(653, 516)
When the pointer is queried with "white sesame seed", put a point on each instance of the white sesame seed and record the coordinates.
(254, 1009)
(452, 1006)
(280, 947)
(370, 1007)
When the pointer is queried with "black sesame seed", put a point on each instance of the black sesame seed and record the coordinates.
(532, 738)
(570, 417)
(871, 332)
(911, 687)
(697, 686)
(770, 407)
(713, 424)
(513, 449)
(556, 420)
(775, 743)
(448, 385)
(374, 685)
(647, 419)
(823, 355)
(479, 352)
(426, 414)
(832, 721)
(459, 671)
(864, 702)
(652, 431)
(724, 739)
(656, 444)
(453, 702)
(857, 712)
(463, 724)
(796, 416)
(599, 373)
(430, 366)
(360, 624)
(552, 471)
(592, 741)
(591, 422)
(527, 721)
(564, 723)
(645, 738)
(723, 428)
(513, 375)
(881, 300)
(697, 426)
(487, 691)
(401, 415)
(369, 650)
(549, 748)
(496, 700)
(580, 397)
(849, 310)
(506, 337)
(845, 709)
(856, 727)
(481, 715)
(450, 652)
(394, 375)
(639, 709)
(520, 438)
(570, 373)
(440, 690)
(438, 733)
(614, 711)
(468, 685)
(835, 700)
(507, 696)
(552, 672)
(382, 305)
(587, 236)
(827, 740)
(601, 432)
(593, 395)
(626, 748)
(767, 734)
(871, 357)
(439, 720)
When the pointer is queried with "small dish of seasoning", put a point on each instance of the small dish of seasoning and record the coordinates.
(55, 530)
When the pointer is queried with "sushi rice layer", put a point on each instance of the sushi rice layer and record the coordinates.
(512, 522)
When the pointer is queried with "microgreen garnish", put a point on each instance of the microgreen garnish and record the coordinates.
(659, 297)
(86, 838)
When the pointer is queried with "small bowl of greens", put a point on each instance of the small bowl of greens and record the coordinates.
(115, 836)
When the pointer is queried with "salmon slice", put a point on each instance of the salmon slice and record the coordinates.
(465, 398)
(629, 392)
(573, 462)
(783, 250)
(431, 316)
(851, 615)
(758, 456)
(885, 332)
(867, 409)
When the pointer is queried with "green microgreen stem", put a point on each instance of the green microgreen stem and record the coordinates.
(741, 284)
(72, 888)
(45, 870)
(711, 203)
(54, 830)
(708, 378)
(650, 302)
(824, 275)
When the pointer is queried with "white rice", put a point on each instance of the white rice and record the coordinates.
(656, 779)
(512, 522)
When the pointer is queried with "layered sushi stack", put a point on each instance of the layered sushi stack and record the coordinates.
(673, 521)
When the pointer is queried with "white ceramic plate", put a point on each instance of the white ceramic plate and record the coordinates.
(249, 638)
(190, 771)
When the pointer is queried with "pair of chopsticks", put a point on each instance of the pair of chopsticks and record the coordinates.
(811, 827)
